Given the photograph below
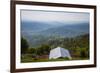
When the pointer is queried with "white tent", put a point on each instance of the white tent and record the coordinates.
(59, 52)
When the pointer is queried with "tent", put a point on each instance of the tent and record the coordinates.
(59, 52)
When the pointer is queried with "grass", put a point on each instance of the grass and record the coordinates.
(28, 58)
(40, 60)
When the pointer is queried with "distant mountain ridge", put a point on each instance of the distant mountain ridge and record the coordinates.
(36, 26)
(38, 32)
(67, 30)
(41, 28)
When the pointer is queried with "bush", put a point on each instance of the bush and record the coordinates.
(83, 53)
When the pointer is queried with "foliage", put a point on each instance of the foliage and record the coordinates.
(31, 50)
(24, 45)
(78, 47)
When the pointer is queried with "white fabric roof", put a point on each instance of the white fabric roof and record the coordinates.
(59, 52)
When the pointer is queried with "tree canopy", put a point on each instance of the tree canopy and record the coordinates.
(24, 45)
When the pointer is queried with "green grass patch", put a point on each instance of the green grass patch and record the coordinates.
(28, 58)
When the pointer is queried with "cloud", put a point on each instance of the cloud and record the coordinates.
(51, 16)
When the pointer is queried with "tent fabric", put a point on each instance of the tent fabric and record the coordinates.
(59, 52)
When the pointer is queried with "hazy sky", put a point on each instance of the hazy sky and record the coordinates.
(50, 16)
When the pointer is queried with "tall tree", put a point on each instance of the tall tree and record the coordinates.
(24, 45)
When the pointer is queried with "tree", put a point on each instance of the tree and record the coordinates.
(43, 49)
(24, 45)
(84, 53)
(32, 51)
